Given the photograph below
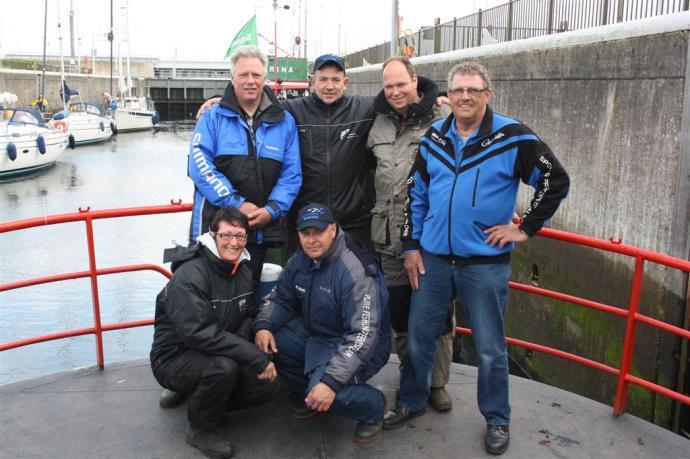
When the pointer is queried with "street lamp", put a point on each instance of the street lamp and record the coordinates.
(275, 44)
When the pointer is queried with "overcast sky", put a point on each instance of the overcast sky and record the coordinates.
(203, 29)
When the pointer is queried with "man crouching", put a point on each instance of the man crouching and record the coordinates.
(329, 315)
(202, 344)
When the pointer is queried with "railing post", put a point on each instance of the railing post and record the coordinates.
(550, 18)
(479, 27)
(94, 292)
(619, 13)
(455, 32)
(629, 341)
(419, 42)
(605, 12)
(509, 33)
(437, 35)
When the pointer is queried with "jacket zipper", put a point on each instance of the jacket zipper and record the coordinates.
(450, 210)
(474, 192)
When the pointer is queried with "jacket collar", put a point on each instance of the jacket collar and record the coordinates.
(323, 105)
(270, 110)
(419, 112)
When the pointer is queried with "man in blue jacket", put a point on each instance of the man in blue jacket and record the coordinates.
(457, 237)
(245, 154)
(329, 315)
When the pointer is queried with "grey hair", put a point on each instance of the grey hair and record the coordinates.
(470, 68)
(247, 51)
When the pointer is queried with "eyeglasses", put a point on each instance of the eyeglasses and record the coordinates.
(229, 237)
(472, 92)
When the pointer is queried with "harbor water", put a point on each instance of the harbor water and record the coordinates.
(133, 169)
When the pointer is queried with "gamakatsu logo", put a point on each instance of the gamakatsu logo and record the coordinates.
(488, 142)
(205, 170)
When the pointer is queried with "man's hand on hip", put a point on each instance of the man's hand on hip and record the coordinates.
(320, 397)
(270, 373)
(414, 265)
(265, 341)
(504, 234)
(259, 218)
(206, 105)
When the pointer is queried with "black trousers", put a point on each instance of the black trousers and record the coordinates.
(214, 385)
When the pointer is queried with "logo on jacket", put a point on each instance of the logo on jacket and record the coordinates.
(300, 289)
(345, 133)
(488, 142)
(205, 170)
(242, 304)
(438, 139)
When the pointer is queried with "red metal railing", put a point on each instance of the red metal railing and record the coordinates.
(87, 216)
(632, 315)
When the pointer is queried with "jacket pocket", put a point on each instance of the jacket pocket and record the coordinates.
(379, 227)
(474, 189)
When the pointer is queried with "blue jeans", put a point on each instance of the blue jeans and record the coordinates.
(483, 291)
(356, 400)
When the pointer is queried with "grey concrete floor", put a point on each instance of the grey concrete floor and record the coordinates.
(114, 413)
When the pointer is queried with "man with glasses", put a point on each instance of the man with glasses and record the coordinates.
(327, 325)
(203, 343)
(244, 154)
(458, 234)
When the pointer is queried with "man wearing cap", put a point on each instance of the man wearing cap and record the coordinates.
(244, 154)
(327, 325)
(333, 129)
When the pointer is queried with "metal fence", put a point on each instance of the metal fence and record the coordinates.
(516, 20)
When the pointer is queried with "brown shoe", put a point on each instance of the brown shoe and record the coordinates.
(303, 412)
(440, 399)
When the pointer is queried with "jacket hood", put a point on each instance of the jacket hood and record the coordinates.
(269, 110)
(418, 112)
(207, 241)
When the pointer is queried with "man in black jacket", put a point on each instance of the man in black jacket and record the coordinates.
(202, 343)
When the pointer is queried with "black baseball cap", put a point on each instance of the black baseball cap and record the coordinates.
(329, 59)
(314, 216)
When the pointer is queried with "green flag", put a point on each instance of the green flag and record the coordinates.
(246, 36)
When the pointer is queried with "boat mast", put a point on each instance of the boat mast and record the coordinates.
(129, 73)
(62, 62)
(110, 39)
(41, 100)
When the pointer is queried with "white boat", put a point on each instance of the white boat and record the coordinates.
(27, 143)
(134, 113)
(86, 122)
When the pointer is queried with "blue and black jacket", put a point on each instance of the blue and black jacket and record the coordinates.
(234, 158)
(343, 300)
(457, 189)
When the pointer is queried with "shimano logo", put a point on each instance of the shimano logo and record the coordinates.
(438, 139)
(488, 142)
(269, 147)
(343, 133)
(205, 170)
(325, 289)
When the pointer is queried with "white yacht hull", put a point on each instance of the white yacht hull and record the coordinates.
(85, 128)
(28, 156)
(132, 120)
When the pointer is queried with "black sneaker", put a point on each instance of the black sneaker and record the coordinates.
(398, 416)
(497, 439)
(170, 399)
(209, 443)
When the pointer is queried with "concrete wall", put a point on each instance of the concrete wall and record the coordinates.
(26, 85)
(612, 104)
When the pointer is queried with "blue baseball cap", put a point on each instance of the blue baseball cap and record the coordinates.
(329, 59)
(314, 216)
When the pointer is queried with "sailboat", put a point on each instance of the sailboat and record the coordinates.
(84, 122)
(131, 113)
